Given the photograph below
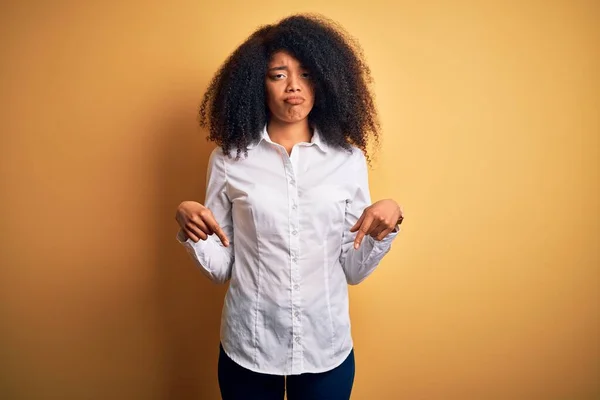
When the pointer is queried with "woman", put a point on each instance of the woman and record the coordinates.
(290, 222)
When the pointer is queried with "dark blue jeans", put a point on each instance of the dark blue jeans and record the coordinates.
(239, 383)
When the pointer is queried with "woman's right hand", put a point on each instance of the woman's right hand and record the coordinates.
(198, 222)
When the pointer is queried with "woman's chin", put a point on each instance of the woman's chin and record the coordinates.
(296, 118)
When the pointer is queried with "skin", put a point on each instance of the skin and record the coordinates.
(288, 126)
(286, 77)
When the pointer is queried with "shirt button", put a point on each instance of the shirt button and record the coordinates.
(295, 259)
(296, 314)
(293, 182)
(297, 339)
(294, 206)
(296, 287)
(295, 232)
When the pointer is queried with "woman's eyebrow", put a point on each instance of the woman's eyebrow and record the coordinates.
(278, 68)
(284, 67)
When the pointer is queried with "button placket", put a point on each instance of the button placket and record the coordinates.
(297, 351)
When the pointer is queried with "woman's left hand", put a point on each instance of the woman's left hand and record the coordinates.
(377, 220)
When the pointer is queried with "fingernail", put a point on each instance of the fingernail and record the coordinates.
(355, 246)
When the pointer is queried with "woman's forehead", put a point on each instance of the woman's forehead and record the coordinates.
(283, 58)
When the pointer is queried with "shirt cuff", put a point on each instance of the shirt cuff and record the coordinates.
(375, 247)
(200, 250)
(386, 241)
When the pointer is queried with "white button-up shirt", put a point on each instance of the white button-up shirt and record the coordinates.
(291, 254)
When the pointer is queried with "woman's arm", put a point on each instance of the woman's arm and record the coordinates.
(360, 263)
(213, 258)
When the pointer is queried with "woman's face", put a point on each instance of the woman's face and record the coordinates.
(289, 87)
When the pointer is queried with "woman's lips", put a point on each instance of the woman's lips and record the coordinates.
(294, 100)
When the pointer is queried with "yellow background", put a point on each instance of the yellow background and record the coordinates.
(490, 115)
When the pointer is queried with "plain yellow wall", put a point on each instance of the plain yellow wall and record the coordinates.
(490, 114)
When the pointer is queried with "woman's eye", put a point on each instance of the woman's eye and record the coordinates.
(282, 76)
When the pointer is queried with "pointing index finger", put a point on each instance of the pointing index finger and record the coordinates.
(220, 233)
(363, 230)
(358, 223)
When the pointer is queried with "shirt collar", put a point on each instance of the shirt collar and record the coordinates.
(316, 140)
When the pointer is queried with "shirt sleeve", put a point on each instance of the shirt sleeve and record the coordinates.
(210, 255)
(359, 264)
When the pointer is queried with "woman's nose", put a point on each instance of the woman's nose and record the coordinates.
(293, 83)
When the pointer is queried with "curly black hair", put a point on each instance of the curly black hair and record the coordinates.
(234, 106)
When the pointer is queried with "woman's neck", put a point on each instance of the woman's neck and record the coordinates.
(289, 134)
